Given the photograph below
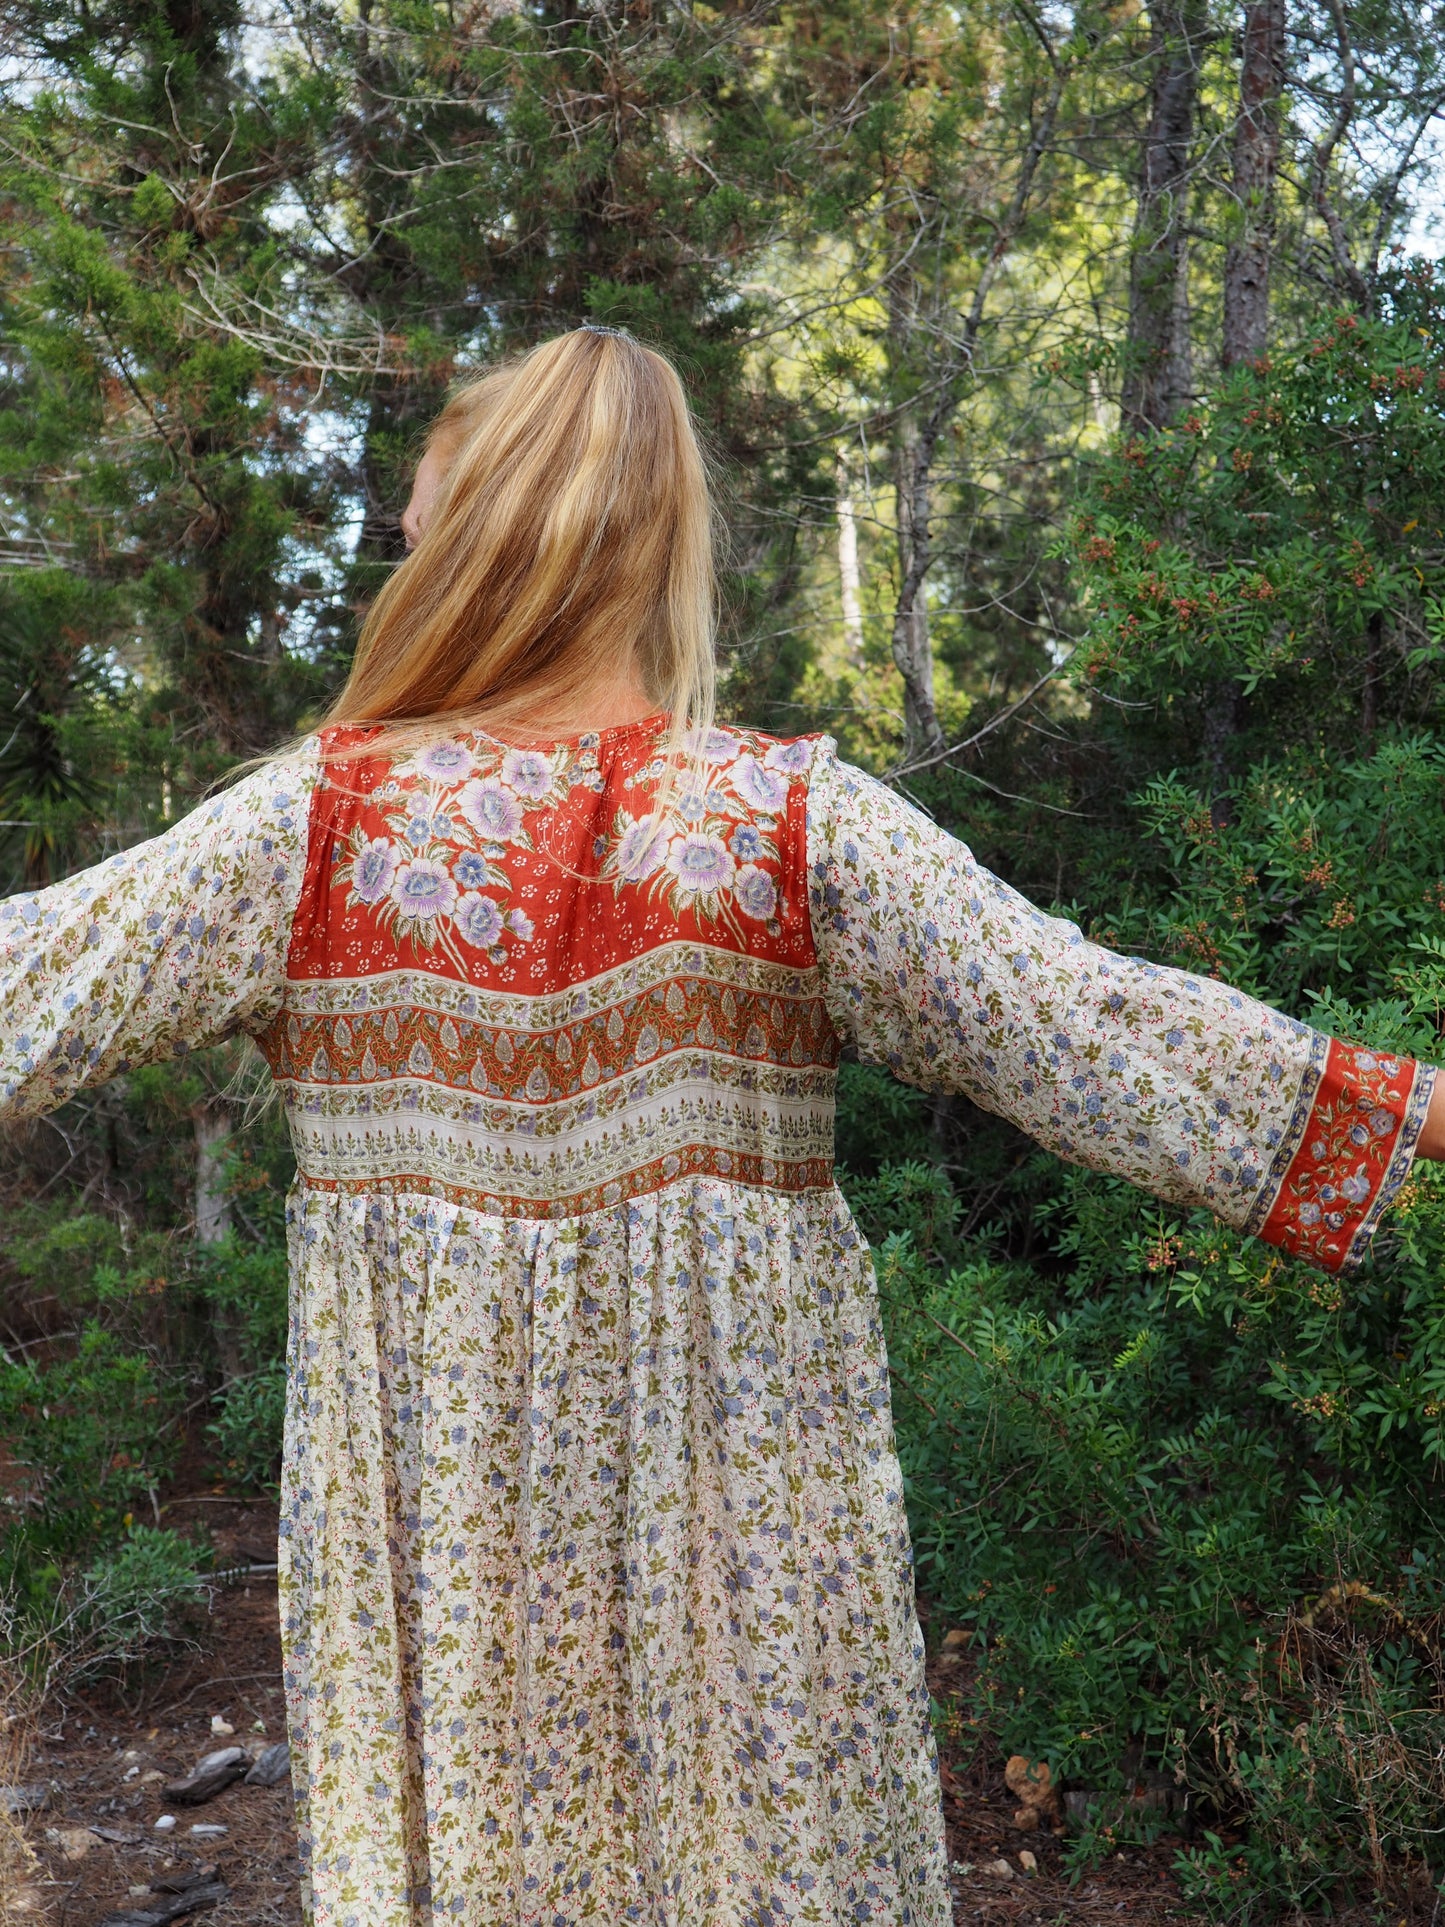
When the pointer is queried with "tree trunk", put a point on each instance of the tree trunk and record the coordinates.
(914, 328)
(1158, 377)
(1256, 162)
(211, 1123)
(852, 583)
(912, 645)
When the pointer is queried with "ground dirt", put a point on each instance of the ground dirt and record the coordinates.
(163, 1725)
(1136, 1886)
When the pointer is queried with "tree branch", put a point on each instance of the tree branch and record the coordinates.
(1324, 152)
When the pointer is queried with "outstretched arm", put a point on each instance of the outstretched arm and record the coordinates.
(1431, 1141)
(165, 948)
(1189, 1089)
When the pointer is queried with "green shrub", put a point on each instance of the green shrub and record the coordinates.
(1187, 1493)
(877, 1114)
(1134, 1471)
(246, 1283)
(247, 1428)
(147, 1589)
(92, 1434)
(95, 1417)
(58, 1252)
(1333, 1751)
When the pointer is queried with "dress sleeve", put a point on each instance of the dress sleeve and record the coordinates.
(1190, 1089)
(163, 949)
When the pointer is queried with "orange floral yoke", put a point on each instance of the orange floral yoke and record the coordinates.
(582, 1003)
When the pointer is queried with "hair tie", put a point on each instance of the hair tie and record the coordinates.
(597, 328)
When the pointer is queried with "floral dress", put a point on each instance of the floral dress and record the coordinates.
(596, 1587)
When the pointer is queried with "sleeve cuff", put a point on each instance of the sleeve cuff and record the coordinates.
(1353, 1149)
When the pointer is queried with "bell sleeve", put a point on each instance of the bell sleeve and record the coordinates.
(1182, 1085)
(167, 947)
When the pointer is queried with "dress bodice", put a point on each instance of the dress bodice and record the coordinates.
(511, 978)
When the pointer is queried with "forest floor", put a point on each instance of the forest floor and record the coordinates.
(99, 1850)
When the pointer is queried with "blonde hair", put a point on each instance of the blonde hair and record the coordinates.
(573, 528)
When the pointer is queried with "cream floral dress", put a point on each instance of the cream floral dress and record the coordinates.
(596, 1587)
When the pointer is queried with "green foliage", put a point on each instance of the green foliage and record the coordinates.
(138, 1326)
(52, 688)
(247, 1281)
(127, 1605)
(1323, 872)
(247, 1428)
(1333, 1744)
(244, 1283)
(874, 1109)
(1285, 538)
(147, 449)
(92, 1432)
(144, 1593)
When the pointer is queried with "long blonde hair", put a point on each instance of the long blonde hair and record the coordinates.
(574, 526)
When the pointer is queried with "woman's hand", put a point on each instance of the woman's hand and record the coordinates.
(1432, 1132)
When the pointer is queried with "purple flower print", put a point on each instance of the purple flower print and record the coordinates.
(444, 762)
(418, 829)
(528, 772)
(520, 924)
(493, 812)
(763, 788)
(746, 843)
(1357, 1187)
(470, 870)
(478, 921)
(755, 893)
(792, 757)
(641, 847)
(700, 863)
(423, 889)
(372, 869)
(1382, 1123)
(716, 747)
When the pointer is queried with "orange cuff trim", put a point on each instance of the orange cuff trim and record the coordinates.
(1355, 1149)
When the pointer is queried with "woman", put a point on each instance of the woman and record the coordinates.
(595, 1573)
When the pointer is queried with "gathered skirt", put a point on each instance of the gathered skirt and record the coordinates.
(596, 1585)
